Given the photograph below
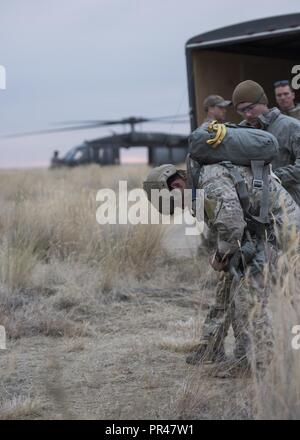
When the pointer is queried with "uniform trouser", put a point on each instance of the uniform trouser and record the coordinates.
(250, 295)
(220, 316)
(243, 304)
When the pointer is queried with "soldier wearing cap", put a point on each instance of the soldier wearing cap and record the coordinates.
(215, 108)
(251, 102)
(224, 214)
(285, 98)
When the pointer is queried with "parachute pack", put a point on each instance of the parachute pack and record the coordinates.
(230, 145)
(239, 145)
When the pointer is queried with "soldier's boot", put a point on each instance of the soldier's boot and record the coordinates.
(206, 354)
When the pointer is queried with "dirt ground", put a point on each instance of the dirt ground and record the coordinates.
(132, 366)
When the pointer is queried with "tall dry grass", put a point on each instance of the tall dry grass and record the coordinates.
(19, 407)
(53, 253)
(59, 267)
(53, 215)
(277, 395)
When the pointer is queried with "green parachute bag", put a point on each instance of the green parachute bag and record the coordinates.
(214, 143)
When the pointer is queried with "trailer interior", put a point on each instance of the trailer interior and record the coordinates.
(262, 50)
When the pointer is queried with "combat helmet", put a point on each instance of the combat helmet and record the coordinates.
(158, 179)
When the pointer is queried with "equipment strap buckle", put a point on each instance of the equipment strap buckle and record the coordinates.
(258, 184)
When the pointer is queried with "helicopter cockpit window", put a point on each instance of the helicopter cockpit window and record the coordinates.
(70, 153)
(79, 155)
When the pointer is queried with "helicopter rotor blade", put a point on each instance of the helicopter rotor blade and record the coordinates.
(91, 121)
(172, 117)
(183, 121)
(100, 123)
(130, 120)
(89, 124)
(49, 131)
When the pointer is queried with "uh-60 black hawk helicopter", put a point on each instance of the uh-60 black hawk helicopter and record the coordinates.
(162, 147)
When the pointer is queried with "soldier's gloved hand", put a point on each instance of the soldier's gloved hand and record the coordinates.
(219, 262)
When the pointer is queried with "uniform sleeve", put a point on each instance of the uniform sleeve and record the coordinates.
(224, 212)
(291, 173)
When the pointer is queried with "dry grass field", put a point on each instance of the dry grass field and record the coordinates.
(99, 318)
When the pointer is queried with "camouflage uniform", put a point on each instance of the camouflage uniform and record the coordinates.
(293, 113)
(287, 164)
(241, 303)
(218, 320)
(237, 302)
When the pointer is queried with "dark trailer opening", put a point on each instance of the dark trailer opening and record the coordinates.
(263, 50)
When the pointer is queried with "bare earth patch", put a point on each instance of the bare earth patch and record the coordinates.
(133, 366)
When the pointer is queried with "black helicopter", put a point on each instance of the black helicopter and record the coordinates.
(162, 147)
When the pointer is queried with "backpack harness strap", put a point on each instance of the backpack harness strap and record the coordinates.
(260, 182)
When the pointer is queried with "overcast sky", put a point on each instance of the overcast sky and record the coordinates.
(87, 59)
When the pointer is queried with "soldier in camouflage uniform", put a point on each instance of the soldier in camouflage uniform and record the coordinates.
(285, 98)
(245, 303)
(251, 102)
